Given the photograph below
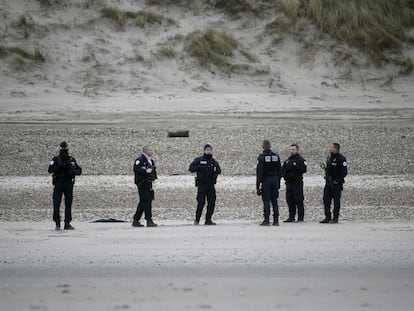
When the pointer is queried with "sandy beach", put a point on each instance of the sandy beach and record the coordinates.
(93, 74)
(233, 266)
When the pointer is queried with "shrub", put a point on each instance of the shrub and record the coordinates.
(115, 14)
(214, 47)
(147, 17)
(35, 56)
(141, 17)
(234, 7)
(167, 52)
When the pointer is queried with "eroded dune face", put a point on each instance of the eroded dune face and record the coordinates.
(98, 48)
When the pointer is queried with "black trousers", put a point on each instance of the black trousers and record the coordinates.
(63, 188)
(294, 199)
(270, 195)
(145, 194)
(206, 191)
(332, 192)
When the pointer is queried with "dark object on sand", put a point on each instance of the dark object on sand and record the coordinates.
(179, 134)
(108, 220)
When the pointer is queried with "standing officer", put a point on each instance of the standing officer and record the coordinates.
(336, 169)
(268, 182)
(145, 174)
(64, 169)
(207, 169)
(292, 171)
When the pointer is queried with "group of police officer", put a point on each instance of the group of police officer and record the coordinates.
(269, 172)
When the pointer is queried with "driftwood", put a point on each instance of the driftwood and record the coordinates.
(179, 134)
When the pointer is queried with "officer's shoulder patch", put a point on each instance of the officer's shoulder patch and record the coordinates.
(306, 163)
(345, 164)
(137, 162)
(53, 162)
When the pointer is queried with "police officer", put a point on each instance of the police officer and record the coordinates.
(292, 171)
(64, 169)
(145, 173)
(268, 173)
(207, 169)
(336, 169)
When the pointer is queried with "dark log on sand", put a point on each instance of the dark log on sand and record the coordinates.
(179, 134)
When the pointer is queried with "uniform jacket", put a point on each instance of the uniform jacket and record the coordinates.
(207, 169)
(336, 168)
(140, 170)
(64, 168)
(294, 168)
(268, 164)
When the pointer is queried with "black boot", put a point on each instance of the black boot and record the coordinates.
(150, 223)
(57, 225)
(334, 220)
(266, 221)
(136, 223)
(289, 220)
(325, 221)
(275, 220)
(209, 222)
(68, 226)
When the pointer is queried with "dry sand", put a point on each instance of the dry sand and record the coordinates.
(233, 266)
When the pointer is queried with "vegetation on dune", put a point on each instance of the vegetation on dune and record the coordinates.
(376, 27)
(114, 14)
(36, 55)
(234, 7)
(141, 17)
(166, 52)
(26, 24)
(167, 2)
(48, 3)
(215, 47)
(371, 25)
(144, 17)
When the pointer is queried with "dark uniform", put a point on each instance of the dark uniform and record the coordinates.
(207, 169)
(144, 180)
(268, 174)
(335, 172)
(292, 171)
(64, 169)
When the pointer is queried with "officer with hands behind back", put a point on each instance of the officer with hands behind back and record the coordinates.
(268, 182)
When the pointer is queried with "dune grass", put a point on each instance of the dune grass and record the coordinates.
(215, 47)
(374, 26)
(166, 52)
(142, 17)
(26, 24)
(115, 14)
(45, 2)
(36, 55)
(235, 7)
